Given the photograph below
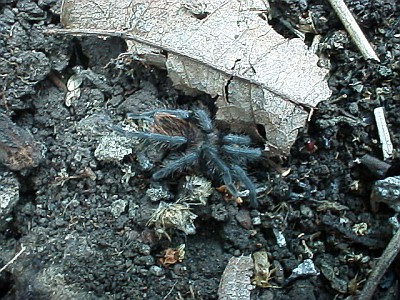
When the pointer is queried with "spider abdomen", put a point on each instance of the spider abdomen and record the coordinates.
(170, 125)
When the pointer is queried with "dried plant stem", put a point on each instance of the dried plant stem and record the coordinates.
(383, 131)
(353, 29)
(13, 259)
(390, 253)
(377, 167)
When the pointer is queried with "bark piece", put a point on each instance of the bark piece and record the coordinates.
(235, 282)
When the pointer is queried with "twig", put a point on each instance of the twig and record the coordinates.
(390, 253)
(298, 33)
(383, 131)
(13, 259)
(353, 29)
(377, 167)
(57, 82)
(170, 291)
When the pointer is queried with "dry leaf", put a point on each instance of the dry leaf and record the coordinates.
(74, 82)
(74, 92)
(224, 48)
(263, 270)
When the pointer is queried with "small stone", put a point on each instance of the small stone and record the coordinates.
(386, 191)
(158, 193)
(144, 272)
(256, 221)
(146, 260)
(156, 270)
(60, 222)
(113, 147)
(329, 273)
(219, 212)
(280, 238)
(267, 295)
(353, 108)
(305, 268)
(144, 161)
(179, 269)
(306, 211)
(144, 249)
(195, 189)
(244, 219)
(384, 71)
(94, 125)
(9, 195)
(118, 207)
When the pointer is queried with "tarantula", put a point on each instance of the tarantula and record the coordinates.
(193, 140)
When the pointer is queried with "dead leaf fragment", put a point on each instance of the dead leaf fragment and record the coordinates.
(170, 216)
(172, 256)
(74, 82)
(74, 92)
(263, 271)
(220, 47)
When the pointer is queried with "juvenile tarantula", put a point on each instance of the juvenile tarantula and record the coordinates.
(195, 141)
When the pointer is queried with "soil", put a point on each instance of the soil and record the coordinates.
(80, 216)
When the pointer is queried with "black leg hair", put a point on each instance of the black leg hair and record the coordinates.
(242, 152)
(168, 141)
(242, 176)
(223, 169)
(236, 139)
(204, 120)
(176, 165)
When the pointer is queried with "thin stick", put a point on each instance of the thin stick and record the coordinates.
(13, 259)
(353, 29)
(390, 253)
(376, 166)
(383, 132)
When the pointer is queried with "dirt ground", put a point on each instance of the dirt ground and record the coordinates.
(78, 216)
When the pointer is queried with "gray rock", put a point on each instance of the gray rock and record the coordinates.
(9, 196)
(386, 191)
(118, 207)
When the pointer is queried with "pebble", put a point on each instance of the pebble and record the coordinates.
(156, 270)
(244, 219)
(386, 191)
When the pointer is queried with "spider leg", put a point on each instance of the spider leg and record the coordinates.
(180, 113)
(203, 118)
(169, 141)
(241, 174)
(242, 152)
(175, 165)
(236, 139)
(222, 168)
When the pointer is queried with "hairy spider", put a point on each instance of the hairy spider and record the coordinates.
(193, 141)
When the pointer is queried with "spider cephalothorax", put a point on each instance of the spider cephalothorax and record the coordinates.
(192, 139)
